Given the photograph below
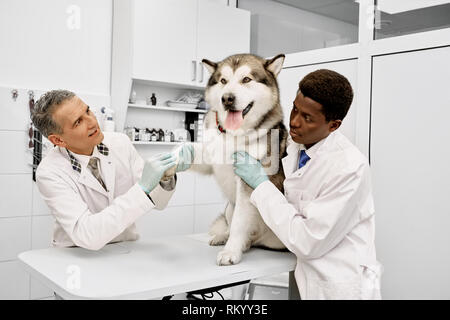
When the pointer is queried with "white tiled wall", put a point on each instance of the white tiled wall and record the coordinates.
(14, 145)
(14, 281)
(15, 196)
(205, 214)
(15, 237)
(207, 190)
(25, 222)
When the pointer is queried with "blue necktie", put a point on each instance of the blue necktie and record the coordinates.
(303, 159)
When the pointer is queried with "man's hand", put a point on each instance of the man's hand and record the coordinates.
(154, 169)
(249, 169)
(185, 157)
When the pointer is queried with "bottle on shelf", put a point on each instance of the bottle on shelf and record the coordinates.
(154, 135)
(108, 119)
(142, 135)
(160, 134)
(153, 99)
(167, 136)
(180, 133)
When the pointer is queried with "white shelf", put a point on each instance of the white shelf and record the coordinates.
(167, 84)
(160, 107)
(161, 143)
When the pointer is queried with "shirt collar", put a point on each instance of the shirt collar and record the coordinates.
(294, 147)
(311, 152)
(79, 161)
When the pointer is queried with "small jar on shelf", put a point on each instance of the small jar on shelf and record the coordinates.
(167, 136)
(155, 135)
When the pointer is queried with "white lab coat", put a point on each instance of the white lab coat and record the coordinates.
(326, 218)
(86, 215)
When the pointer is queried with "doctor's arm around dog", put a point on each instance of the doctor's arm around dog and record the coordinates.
(93, 208)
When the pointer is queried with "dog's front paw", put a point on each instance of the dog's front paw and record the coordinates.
(218, 240)
(227, 257)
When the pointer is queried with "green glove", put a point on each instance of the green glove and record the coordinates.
(249, 169)
(154, 169)
(185, 157)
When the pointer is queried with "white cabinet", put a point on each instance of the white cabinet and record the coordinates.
(164, 46)
(171, 37)
(409, 158)
(222, 31)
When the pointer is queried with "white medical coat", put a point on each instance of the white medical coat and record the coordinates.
(326, 218)
(86, 214)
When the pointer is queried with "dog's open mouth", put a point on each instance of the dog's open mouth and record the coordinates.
(235, 118)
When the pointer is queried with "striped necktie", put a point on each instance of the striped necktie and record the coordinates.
(93, 166)
(303, 159)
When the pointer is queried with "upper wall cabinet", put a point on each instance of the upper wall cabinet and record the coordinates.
(222, 31)
(164, 44)
(171, 37)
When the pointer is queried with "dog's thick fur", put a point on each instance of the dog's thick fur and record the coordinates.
(241, 225)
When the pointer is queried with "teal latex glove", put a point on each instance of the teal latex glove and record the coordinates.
(154, 169)
(185, 157)
(249, 169)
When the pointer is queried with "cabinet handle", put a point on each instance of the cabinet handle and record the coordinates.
(200, 65)
(194, 70)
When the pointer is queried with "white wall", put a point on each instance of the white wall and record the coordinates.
(56, 44)
(278, 28)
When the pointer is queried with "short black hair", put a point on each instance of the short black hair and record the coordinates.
(331, 89)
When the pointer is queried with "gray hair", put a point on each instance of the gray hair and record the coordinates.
(42, 115)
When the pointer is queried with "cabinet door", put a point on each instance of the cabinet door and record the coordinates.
(164, 43)
(410, 168)
(222, 31)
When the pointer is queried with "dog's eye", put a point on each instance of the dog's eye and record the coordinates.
(223, 81)
(246, 80)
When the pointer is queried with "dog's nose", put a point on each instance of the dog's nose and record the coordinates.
(228, 99)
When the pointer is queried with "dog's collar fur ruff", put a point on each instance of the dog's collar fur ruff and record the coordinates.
(218, 124)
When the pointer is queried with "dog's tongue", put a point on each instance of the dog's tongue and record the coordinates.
(234, 120)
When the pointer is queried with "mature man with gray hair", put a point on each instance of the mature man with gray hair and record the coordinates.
(95, 184)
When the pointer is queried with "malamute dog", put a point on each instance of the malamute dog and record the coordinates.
(245, 115)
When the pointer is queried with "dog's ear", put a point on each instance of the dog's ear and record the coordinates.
(274, 65)
(211, 66)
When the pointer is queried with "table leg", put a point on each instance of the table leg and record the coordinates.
(293, 293)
